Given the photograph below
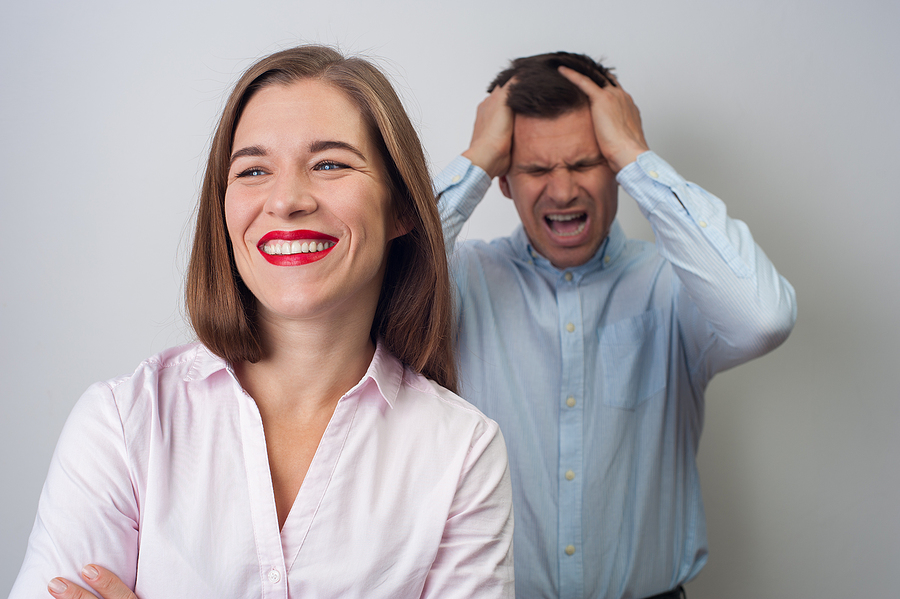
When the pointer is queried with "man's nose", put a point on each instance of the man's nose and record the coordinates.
(561, 186)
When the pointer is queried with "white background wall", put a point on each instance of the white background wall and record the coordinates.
(787, 109)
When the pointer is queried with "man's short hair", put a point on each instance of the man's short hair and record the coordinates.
(541, 91)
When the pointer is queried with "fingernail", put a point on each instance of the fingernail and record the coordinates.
(90, 572)
(57, 586)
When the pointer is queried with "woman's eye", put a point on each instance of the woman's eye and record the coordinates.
(328, 165)
(251, 172)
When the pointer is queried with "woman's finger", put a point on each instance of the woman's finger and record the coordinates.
(63, 589)
(106, 583)
(100, 579)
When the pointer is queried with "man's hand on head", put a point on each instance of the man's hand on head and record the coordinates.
(492, 135)
(617, 120)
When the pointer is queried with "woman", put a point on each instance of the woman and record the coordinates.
(299, 449)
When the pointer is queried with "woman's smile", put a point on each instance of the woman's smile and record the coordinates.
(295, 248)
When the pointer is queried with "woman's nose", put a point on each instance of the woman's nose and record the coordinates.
(291, 195)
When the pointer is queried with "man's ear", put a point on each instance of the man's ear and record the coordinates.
(504, 186)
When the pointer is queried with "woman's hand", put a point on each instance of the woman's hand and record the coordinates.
(100, 579)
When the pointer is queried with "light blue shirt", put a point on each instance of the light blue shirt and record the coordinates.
(596, 376)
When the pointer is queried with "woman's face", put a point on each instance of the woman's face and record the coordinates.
(307, 204)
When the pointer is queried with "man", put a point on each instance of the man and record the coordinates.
(591, 350)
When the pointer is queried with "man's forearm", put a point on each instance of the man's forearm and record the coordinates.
(729, 278)
(460, 187)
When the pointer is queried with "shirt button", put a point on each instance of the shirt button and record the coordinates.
(606, 259)
(570, 402)
(570, 327)
(274, 576)
(570, 476)
(653, 174)
(570, 549)
(702, 223)
(455, 179)
(568, 276)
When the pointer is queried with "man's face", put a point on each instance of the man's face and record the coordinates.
(564, 191)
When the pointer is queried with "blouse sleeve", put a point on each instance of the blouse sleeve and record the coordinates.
(88, 510)
(475, 557)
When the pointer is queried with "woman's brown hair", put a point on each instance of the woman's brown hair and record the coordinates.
(413, 317)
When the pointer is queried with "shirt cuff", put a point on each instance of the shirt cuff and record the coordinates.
(466, 182)
(654, 184)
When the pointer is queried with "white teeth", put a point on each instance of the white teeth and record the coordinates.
(288, 248)
(564, 217)
(575, 232)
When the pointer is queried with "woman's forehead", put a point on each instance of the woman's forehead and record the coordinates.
(309, 106)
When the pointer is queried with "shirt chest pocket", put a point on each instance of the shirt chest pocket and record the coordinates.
(632, 360)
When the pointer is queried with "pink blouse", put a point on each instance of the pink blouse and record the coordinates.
(163, 478)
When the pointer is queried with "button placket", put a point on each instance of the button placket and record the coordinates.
(572, 382)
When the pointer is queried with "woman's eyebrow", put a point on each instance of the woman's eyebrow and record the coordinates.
(322, 145)
(248, 151)
(316, 146)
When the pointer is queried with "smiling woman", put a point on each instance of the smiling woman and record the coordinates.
(307, 444)
(302, 154)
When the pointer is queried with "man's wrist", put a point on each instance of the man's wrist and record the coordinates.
(625, 157)
(486, 161)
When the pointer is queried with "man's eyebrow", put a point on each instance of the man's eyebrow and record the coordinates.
(586, 162)
(322, 145)
(248, 151)
(532, 167)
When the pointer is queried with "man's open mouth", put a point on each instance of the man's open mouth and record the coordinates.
(566, 225)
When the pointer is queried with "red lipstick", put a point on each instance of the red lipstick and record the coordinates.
(297, 258)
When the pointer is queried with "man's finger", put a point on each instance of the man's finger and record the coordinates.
(612, 78)
(583, 82)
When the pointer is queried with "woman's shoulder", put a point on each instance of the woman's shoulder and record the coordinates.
(444, 399)
(413, 395)
(435, 410)
(192, 361)
(162, 377)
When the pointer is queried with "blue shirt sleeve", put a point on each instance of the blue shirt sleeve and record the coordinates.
(735, 287)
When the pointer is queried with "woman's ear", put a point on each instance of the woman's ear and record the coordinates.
(401, 227)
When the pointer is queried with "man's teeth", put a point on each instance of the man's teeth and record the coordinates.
(286, 248)
(563, 225)
(564, 217)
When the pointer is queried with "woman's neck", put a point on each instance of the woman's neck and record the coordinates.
(307, 366)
